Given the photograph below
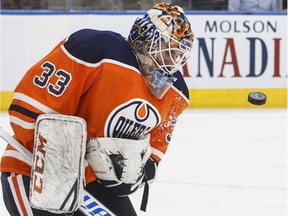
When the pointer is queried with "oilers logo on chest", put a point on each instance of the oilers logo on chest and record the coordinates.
(132, 120)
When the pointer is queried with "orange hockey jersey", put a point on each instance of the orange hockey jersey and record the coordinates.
(94, 75)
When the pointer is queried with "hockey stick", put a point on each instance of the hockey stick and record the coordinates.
(90, 205)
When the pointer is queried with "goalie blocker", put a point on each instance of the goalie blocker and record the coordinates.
(58, 163)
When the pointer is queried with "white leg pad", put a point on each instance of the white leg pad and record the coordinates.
(58, 163)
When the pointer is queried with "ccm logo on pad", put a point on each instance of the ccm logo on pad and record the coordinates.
(39, 165)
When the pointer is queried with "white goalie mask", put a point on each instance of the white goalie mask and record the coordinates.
(162, 41)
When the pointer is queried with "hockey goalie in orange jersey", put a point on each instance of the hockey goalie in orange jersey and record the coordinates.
(125, 89)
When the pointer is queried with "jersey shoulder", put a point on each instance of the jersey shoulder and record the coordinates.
(92, 46)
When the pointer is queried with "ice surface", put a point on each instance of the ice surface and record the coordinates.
(219, 163)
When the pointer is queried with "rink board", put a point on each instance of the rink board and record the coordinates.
(211, 98)
(233, 53)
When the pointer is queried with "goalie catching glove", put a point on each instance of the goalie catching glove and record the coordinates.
(119, 163)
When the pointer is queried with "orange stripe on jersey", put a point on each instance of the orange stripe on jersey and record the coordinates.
(19, 197)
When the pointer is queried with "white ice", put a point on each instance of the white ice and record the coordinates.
(219, 163)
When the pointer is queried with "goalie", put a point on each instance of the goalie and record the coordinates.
(129, 93)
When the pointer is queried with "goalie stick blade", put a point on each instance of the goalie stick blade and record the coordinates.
(93, 207)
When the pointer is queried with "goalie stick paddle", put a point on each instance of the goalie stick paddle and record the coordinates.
(90, 205)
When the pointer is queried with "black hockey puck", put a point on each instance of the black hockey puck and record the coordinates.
(257, 98)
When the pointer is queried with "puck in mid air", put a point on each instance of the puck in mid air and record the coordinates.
(257, 98)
